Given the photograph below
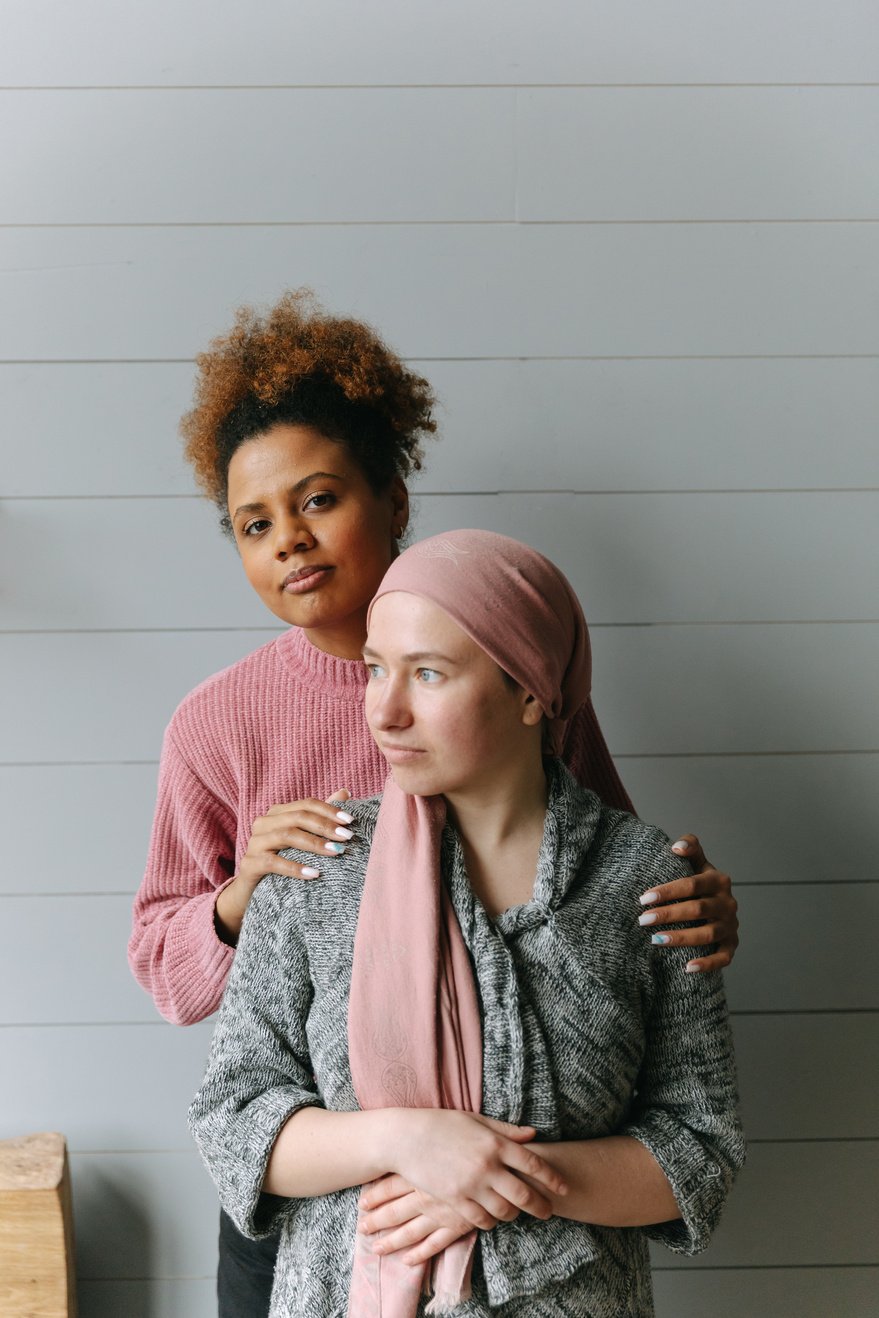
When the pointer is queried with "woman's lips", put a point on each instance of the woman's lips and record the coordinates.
(401, 754)
(299, 583)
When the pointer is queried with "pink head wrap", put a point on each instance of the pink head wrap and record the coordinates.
(515, 604)
(414, 1030)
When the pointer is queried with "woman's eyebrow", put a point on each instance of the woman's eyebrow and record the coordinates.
(294, 489)
(416, 657)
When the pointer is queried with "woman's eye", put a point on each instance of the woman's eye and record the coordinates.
(429, 675)
(255, 527)
(320, 501)
(374, 670)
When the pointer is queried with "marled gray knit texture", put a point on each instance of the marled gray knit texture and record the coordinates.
(588, 1031)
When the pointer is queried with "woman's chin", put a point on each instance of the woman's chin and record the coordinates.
(414, 781)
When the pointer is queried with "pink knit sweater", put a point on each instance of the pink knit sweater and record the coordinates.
(283, 724)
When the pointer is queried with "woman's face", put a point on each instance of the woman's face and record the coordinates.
(438, 707)
(314, 538)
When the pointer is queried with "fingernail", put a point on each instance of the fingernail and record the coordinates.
(649, 917)
(345, 833)
(681, 846)
(692, 967)
(660, 938)
(309, 873)
(335, 847)
(345, 818)
(647, 897)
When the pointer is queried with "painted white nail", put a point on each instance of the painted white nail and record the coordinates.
(681, 847)
(309, 873)
(345, 833)
(344, 818)
(649, 917)
(647, 897)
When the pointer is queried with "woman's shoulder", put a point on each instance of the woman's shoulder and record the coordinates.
(341, 877)
(632, 845)
(627, 853)
(213, 695)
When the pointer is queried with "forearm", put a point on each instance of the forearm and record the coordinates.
(318, 1152)
(614, 1181)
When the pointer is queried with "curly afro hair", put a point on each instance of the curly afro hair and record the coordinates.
(297, 365)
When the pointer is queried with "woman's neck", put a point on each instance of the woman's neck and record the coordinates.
(501, 832)
(343, 640)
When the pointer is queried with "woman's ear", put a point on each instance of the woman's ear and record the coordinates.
(532, 714)
(399, 507)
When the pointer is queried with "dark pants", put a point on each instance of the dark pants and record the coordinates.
(244, 1273)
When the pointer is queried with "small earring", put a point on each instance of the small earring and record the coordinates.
(398, 532)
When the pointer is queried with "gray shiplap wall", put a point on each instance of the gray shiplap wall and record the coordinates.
(635, 248)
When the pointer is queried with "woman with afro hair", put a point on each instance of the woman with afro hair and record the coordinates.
(304, 429)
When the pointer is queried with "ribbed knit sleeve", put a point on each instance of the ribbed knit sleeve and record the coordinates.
(174, 951)
(283, 724)
(586, 754)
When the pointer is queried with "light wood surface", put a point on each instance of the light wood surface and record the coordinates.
(36, 1229)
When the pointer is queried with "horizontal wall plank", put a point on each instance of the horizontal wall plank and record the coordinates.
(792, 1207)
(65, 960)
(796, 954)
(528, 290)
(804, 1077)
(128, 1087)
(703, 153)
(505, 425)
(154, 1215)
(75, 827)
(118, 693)
(697, 153)
(631, 558)
(257, 156)
(758, 1293)
(110, 1088)
(684, 690)
(659, 690)
(149, 1298)
(143, 1215)
(414, 41)
(748, 811)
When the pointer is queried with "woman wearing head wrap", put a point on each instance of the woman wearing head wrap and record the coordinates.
(462, 1016)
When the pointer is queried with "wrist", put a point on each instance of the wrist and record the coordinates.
(229, 908)
(384, 1137)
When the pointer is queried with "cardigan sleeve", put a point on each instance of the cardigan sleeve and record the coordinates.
(259, 1072)
(685, 1109)
(174, 951)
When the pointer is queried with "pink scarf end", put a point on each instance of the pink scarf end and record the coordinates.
(447, 1301)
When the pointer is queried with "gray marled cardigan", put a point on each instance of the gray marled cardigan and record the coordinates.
(587, 1032)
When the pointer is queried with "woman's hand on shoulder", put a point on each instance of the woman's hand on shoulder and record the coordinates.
(319, 827)
(706, 898)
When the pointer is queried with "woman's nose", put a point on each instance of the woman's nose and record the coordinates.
(391, 710)
(292, 537)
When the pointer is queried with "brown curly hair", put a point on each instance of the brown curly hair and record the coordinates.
(297, 365)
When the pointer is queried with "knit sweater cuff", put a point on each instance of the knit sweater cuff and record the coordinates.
(239, 1168)
(698, 1183)
(201, 963)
